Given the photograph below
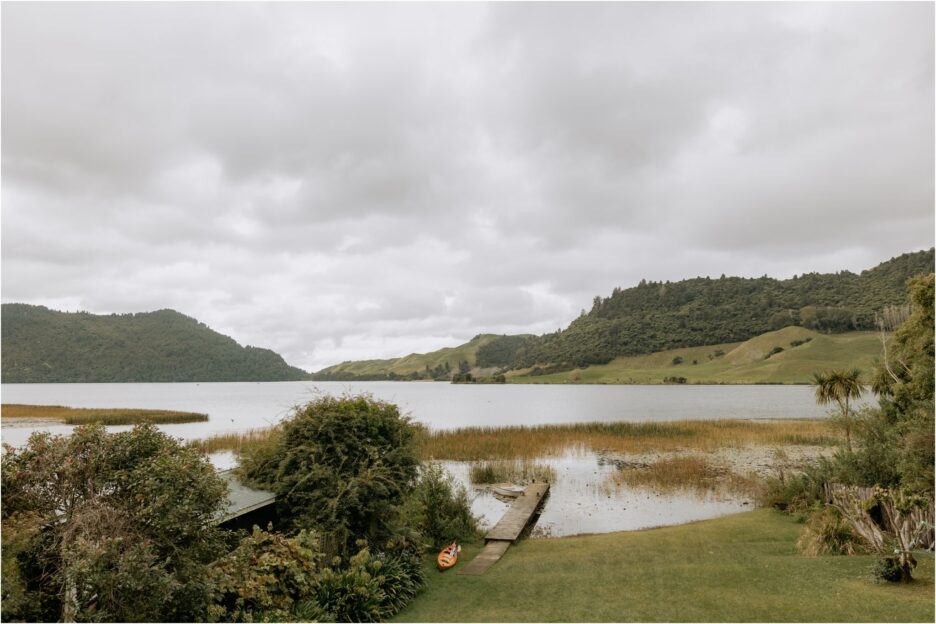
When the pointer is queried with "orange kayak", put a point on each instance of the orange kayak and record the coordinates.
(448, 556)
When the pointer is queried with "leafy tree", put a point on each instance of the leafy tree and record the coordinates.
(340, 466)
(106, 527)
(839, 387)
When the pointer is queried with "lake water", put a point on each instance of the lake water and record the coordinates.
(578, 502)
(234, 407)
(581, 501)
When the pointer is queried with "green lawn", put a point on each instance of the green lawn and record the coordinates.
(742, 362)
(738, 568)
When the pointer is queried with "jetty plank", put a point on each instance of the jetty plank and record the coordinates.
(488, 556)
(515, 520)
(506, 531)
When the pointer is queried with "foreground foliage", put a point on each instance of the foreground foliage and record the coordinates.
(882, 486)
(92, 519)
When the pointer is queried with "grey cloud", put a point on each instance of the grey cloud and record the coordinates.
(341, 181)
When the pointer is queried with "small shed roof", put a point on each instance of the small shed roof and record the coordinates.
(242, 499)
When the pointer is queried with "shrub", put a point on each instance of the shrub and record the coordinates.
(677, 361)
(342, 466)
(889, 569)
(439, 509)
(797, 494)
(827, 533)
(370, 589)
(265, 577)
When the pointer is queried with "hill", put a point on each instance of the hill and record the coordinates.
(658, 316)
(435, 365)
(46, 346)
(758, 360)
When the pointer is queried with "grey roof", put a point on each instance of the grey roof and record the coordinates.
(242, 499)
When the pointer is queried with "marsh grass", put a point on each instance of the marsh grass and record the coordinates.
(684, 473)
(529, 443)
(489, 443)
(243, 442)
(105, 416)
(510, 471)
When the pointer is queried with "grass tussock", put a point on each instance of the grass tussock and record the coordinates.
(105, 416)
(489, 443)
(684, 473)
(511, 471)
(242, 442)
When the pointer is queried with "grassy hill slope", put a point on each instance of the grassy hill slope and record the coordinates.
(656, 316)
(46, 346)
(736, 362)
(412, 363)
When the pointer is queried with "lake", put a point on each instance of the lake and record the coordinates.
(239, 406)
(578, 503)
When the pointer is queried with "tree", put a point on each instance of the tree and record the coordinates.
(340, 466)
(837, 386)
(111, 527)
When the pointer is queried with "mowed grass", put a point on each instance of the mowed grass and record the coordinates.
(742, 362)
(743, 567)
(105, 416)
(488, 443)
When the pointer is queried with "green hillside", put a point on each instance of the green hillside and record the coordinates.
(46, 346)
(752, 361)
(439, 363)
(656, 316)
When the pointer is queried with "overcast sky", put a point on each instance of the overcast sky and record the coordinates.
(356, 181)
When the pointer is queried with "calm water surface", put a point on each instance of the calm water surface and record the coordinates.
(234, 407)
(579, 500)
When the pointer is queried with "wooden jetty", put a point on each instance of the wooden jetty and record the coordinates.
(507, 530)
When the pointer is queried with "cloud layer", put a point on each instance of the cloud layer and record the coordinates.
(348, 181)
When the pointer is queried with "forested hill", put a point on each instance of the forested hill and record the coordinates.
(43, 345)
(654, 316)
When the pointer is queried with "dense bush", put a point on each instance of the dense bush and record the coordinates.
(108, 527)
(889, 569)
(267, 577)
(370, 588)
(439, 509)
(340, 466)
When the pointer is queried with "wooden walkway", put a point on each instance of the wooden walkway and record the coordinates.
(505, 532)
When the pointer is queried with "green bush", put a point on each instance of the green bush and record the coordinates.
(799, 493)
(371, 588)
(889, 569)
(265, 578)
(439, 508)
(340, 466)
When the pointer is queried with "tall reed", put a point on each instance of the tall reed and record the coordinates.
(485, 443)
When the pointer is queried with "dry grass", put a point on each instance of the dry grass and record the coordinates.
(237, 442)
(487, 443)
(509, 443)
(684, 473)
(510, 471)
(105, 416)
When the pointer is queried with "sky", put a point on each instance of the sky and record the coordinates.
(354, 181)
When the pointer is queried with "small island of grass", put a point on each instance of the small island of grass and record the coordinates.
(105, 416)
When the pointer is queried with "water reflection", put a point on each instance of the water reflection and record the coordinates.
(580, 500)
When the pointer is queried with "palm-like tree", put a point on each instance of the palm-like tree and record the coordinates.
(839, 386)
